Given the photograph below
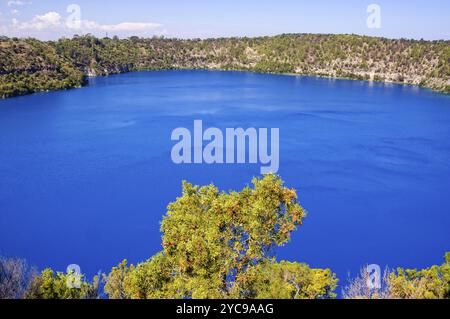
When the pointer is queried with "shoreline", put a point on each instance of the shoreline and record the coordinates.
(87, 77)
(31, 66)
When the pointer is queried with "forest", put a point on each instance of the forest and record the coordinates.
(30, 65)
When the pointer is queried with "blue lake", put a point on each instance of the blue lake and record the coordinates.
(86, 174)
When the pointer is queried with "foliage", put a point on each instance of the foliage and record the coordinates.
(219, 245)
(147, 280)
(51, 285)
(286, 280)
(207, 232)
(29, 65)
(430, 283)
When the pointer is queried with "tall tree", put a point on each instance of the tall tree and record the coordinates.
(220, 245)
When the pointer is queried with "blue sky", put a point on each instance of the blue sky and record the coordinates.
(46, 19)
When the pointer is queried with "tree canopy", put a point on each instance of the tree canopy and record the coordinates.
(220, 245)
(54, 285)
(429, 283)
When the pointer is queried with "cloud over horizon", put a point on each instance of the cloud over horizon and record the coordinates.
(52, 24)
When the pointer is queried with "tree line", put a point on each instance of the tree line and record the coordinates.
(221, 245)
(30, 65)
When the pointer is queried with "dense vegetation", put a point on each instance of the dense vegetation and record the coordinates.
(220, 245)
(429, 283)
(28, 65)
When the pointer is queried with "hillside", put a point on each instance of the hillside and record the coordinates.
(28, 65)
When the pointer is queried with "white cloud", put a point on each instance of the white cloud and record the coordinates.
(124, 26)
(15, 3)
(55, 23)
(40, 22)
(120, 27)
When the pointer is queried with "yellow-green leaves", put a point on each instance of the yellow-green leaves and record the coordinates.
(215, 245)
(51, 285)
(285, 280)
(210, 233)
(218, 244)
(430, 283)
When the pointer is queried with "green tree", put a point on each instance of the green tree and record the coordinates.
(219, 245)
(430, 283)
(147, 280)
(51, 285)
(286, 280)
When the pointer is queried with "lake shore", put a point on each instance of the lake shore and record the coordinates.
(30, 65)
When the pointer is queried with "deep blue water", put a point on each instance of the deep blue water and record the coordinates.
(86, 174)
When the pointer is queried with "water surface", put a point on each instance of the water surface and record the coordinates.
(86, 174)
